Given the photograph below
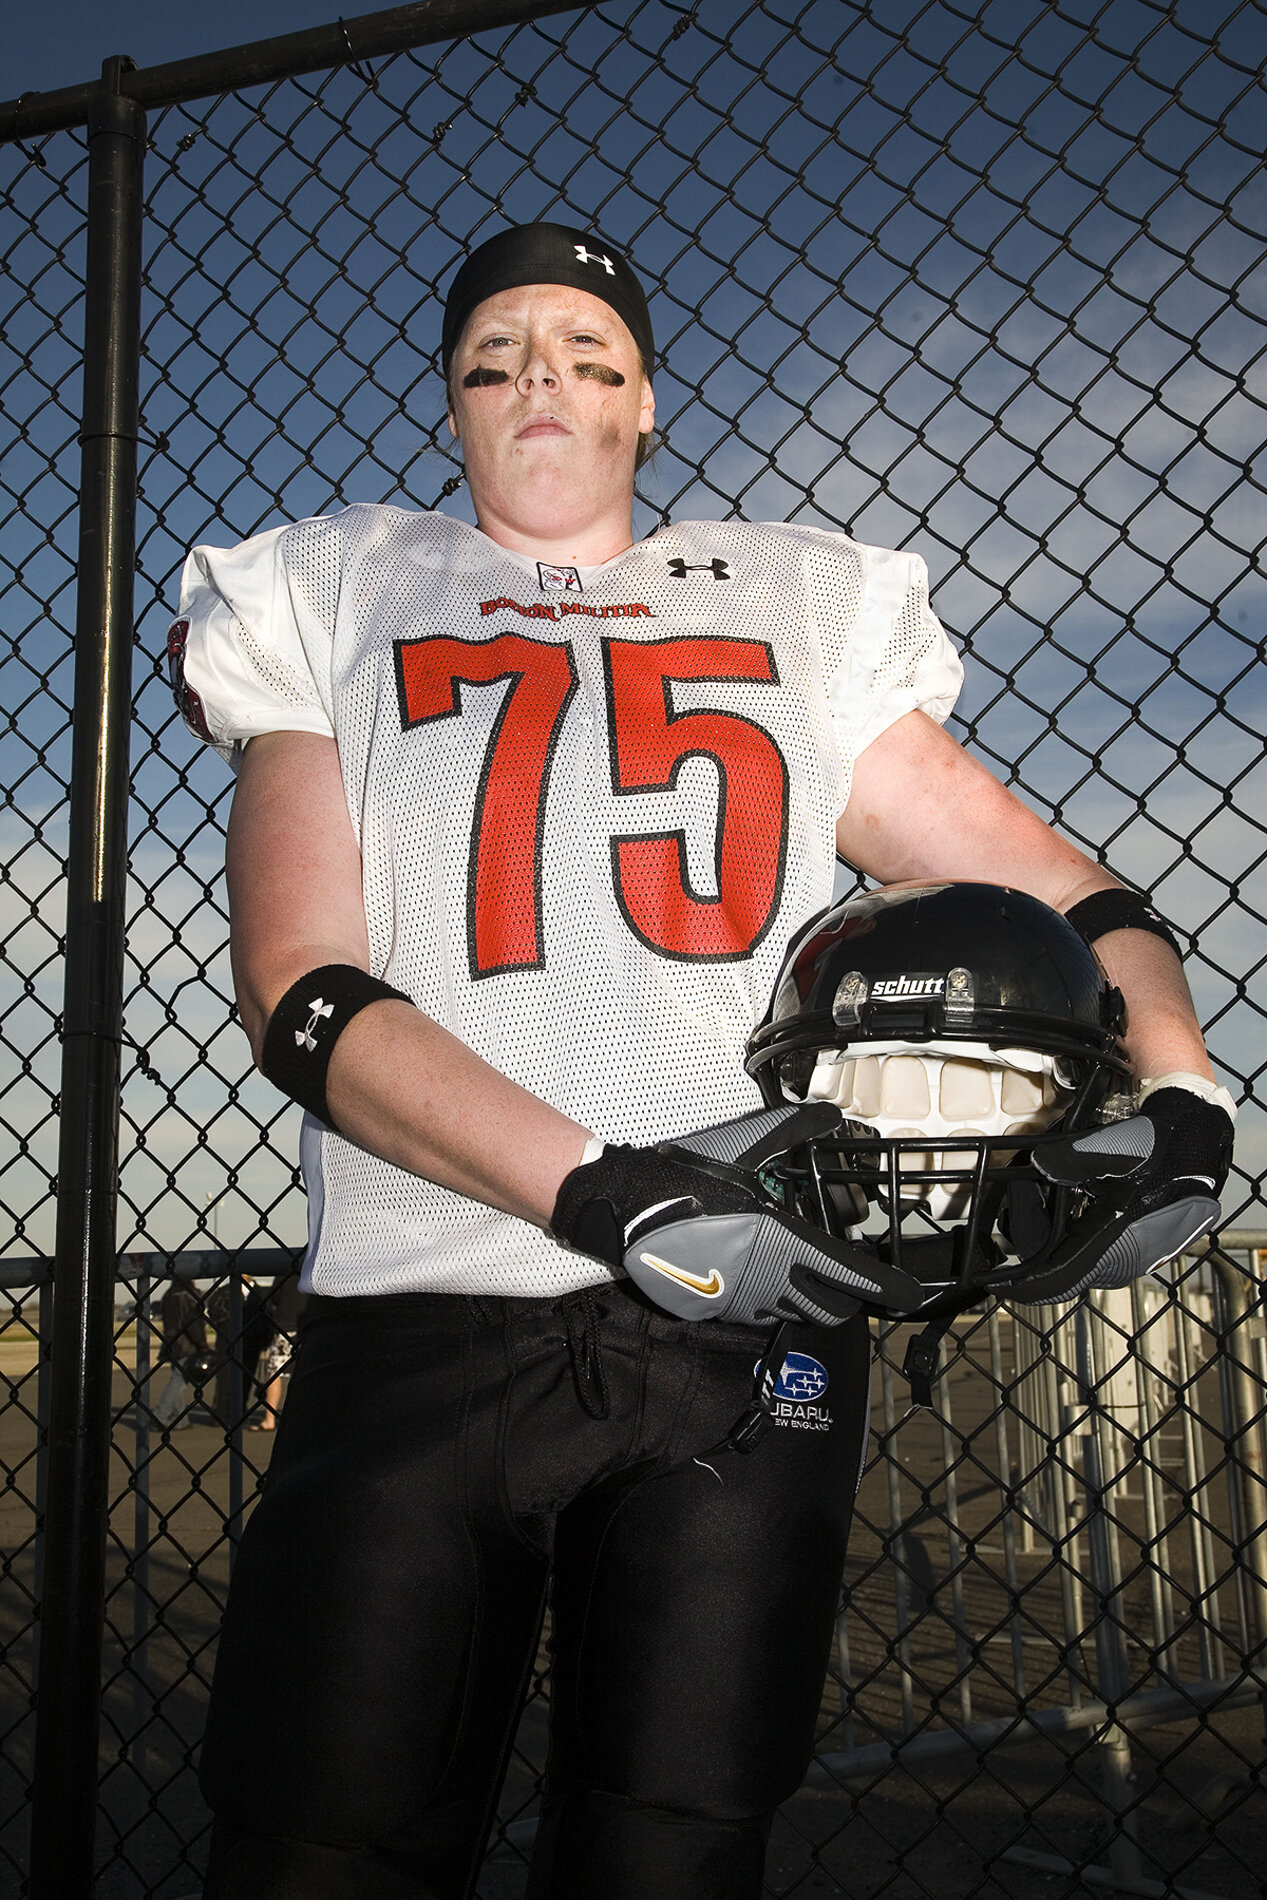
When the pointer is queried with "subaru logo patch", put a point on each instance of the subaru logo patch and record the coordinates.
(802, 1378)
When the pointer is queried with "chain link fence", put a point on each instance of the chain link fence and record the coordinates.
(984, 282)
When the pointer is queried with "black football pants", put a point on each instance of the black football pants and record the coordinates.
(438, 1458)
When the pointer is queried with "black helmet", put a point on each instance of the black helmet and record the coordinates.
(957, 1026)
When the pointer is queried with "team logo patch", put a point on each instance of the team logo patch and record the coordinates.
(795, 1398)
(802, 1378)
(558, 580)
(188, 704)
(559, 610)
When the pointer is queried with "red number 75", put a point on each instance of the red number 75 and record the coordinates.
(650, 743)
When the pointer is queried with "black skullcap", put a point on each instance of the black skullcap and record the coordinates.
(547, 254)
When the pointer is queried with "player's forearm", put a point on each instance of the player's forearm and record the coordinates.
(398, 1083)
(922, 809)
(402, 1086)
(1163, 1035)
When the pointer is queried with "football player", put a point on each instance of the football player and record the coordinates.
(525, 816)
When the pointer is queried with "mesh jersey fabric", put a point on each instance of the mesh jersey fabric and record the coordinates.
(592, 806)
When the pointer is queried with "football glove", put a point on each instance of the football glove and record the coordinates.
(692, 1223)
(1152, 1184)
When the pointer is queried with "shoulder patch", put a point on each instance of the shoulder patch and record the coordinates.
(188, 704)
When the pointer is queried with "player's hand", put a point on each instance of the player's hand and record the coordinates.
(693, 1225)
(1153, 1184)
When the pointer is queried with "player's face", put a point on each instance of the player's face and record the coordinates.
(548, 399)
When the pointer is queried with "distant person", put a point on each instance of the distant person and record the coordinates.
(183, 1349)
(282, 1306)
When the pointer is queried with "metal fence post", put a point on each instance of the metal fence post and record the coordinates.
(65, 1781)
(1101, 1466)
(139, 1659)
(1245, 1441)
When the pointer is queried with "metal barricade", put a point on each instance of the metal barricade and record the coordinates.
(1113, 1554)
(1083, 1569)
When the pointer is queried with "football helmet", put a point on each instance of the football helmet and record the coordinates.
(958, 1027)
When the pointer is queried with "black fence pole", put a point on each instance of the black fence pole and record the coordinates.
(69, 1689)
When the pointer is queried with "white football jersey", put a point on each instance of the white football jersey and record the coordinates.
(592, 804)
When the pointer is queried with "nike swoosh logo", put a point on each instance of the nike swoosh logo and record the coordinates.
(710, 1288)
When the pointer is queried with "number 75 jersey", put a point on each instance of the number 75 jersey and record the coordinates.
(592, 805)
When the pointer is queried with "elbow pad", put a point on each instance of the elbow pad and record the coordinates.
(1120, 909)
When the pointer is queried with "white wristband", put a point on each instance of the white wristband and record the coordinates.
(1194, 1084)
(591, 1151)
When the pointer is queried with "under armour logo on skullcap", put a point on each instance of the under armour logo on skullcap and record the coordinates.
(594, 257)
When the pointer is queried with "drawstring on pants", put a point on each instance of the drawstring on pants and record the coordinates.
(758, 1415)
(580, 1316)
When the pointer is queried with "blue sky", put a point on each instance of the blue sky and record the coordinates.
(936, 284)
(62, 42)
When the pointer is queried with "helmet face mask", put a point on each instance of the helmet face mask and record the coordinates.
(947, 1098)
(957, 1027)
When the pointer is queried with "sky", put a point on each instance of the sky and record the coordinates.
(62, 42)
(918, 289)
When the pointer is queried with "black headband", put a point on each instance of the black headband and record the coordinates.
(547, 254)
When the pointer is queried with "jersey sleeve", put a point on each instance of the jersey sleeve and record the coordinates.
(891, 653)
(247, 653)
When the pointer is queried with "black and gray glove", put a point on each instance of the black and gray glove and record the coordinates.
(1153, 1185)
(693, 1225)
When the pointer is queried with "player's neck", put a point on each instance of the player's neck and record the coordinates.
(581, 544)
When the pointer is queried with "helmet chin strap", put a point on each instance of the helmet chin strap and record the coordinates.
(921, 1362)
(757, 1416)
(973, 1260)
